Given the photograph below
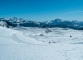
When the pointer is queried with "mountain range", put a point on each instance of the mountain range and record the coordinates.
(14, 22)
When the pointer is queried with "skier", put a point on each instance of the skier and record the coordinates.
(70, 36)
(49, 42)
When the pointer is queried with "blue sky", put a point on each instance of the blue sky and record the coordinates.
(42, 10)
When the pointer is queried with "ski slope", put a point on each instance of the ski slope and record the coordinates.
(33, 44)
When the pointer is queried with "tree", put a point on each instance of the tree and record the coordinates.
(47, 30)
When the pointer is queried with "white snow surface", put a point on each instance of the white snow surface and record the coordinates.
(33, 44)
(3, 23)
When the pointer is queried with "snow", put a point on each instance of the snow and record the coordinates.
(33, 44)
(2, 23)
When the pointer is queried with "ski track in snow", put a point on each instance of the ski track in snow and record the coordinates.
(14, 37)
(19, 37)
(31, 46)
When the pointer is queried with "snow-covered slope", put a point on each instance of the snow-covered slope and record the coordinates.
(2, 23)
(5, 36)
(33, 44)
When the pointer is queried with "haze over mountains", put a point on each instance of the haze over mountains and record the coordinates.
(14, 21)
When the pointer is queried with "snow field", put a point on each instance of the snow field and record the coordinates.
(29, 44)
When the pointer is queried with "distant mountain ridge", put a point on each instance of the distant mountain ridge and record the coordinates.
(14, 21)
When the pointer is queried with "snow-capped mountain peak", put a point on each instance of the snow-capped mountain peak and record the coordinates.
(14, 21)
